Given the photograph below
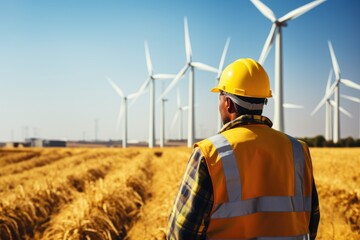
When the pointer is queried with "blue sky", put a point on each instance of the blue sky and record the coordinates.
(55, 57)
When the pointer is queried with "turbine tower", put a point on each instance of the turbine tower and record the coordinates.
(162, 123)
(276, 30)
(151, 81)
(123, 109)
(189, 65)
(335, 88)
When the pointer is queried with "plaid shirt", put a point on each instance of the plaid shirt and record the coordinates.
(190, 215)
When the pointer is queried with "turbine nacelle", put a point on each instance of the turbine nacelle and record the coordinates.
(280, 24)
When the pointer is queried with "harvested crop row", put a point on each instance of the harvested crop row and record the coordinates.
(51, 171)
(108, 208)
(26, 210)
(15, 156)
(43, 158)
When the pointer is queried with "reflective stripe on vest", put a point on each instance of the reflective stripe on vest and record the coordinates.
(237, 207)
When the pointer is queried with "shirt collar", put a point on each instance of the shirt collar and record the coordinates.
(246, 120)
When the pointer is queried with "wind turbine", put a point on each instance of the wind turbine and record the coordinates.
(123, 109)
(356, 100)
(189, 65)
(326, 100)
(329, 104)
(150, 81)
(178, 115)
(335, 88)
(276, 30)
(220, 69)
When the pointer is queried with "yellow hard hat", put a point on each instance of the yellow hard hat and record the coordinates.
(245, 77)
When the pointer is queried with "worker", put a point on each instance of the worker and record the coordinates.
(249, 181)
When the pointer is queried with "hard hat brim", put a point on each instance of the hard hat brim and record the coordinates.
(215, 90)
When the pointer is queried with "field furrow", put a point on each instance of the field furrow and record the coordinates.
(40, 175)
(337, 176)
(108, 208)
(25, 210)
(16, 156)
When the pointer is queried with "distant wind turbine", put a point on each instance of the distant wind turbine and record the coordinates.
(150, 81)
(276, 29)
(330, 104)
(178, 115)
(123, 109)
(335, 89)
(189, 65)
(356, 100)
(326, 100)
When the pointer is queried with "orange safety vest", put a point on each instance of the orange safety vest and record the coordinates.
(262, 183)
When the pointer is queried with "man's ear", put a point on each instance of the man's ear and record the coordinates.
(230, 105)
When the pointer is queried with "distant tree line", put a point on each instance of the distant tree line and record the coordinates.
(320, 141)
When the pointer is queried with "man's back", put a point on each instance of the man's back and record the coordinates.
(259, 184)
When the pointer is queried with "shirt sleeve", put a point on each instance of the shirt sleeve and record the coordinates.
(315, 213)
(190, 214)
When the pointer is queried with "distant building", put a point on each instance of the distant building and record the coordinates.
(38, 142)
(54, 143)
(14, 144)
(34, 142)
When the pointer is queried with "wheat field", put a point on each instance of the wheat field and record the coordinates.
(114, 193)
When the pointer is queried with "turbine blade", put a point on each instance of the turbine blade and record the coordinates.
(163, 76)
(148, 59)
(178, 100)
(300, 11)
(289, 105)
(139, 92)
(328, 82)
(222, 60)
(350, 83)
(331, 90)
(187, 41)
(341, 109)
(344, 111)
(204, 67)
(134, 95)
(185, 108)
(264, 10)
(334, 62)
(268, 44)
(322, 102)
(325, 98)
(354, 99)
(144, 85)
(116, 88)
(173, 83)
(174, 119)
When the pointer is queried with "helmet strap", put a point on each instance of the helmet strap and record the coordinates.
(243, 104)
